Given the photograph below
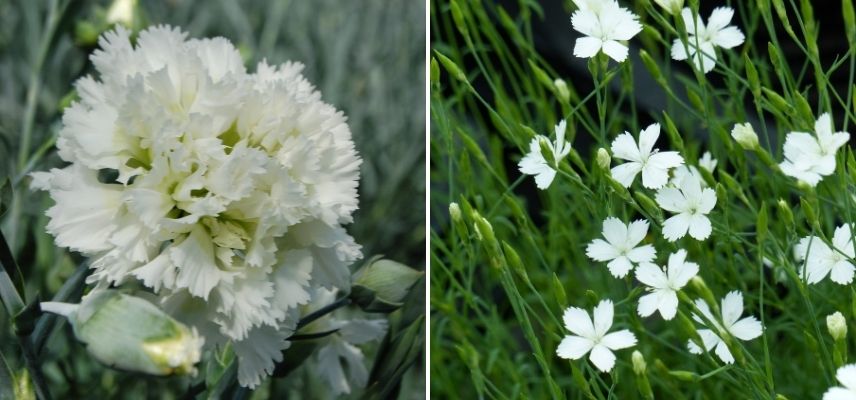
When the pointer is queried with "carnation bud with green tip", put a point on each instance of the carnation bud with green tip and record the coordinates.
(639, 365)
(130, 333)
(455, 211)
(745, 135)
(837, 326)
(671, 6)
(562, 90)
(382, 284)
(603, 159)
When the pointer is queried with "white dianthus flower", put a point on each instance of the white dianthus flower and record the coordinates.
(223, 191)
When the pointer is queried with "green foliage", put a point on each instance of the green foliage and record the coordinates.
(497, 299)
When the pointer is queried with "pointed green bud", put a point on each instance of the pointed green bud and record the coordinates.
(381, 285)
(701, 288)
(435, 72)
(810, 215)
(785, 213)
(752, 76)
(451, 67)
(559, 291)
(132, 334)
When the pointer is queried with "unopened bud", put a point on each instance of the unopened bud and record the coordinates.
(603, 159)
(562, 90)
(837, 325)
(130, 333)
(382, 285)
(745, 135)
(455, 211)
(122, 12)
(639, 364)
(671, 6)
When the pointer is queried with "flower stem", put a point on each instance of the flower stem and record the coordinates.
(323, 311)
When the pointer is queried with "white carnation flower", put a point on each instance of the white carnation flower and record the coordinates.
(223, 191)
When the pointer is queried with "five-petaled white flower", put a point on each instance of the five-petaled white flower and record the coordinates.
(603, 23)
(847, 376)
(717, 33)
(664, 284)
(821, 260)
(591, 336)
(744, 329)
(691, 203)
(534, 163)
(653, 164)
(619, 248)
(809, 158)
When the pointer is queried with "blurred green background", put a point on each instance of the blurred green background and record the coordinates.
(367, 57)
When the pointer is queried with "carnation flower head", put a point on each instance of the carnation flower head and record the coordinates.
(664, 284)
(535, 163)
(604, 24)
(643, 157)
(820, 260)
(223, 191)
(703, 39)
(590, 335)
(744, 329)
(621, 247)
(808, 157)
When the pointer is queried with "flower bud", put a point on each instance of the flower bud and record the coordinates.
(603, 159)
(701, 288)
(130, 333)
(122, 12)
(562, 90)
(382, 285)
(837, 325)
(745, 136)
(639, 365)
(455, 211)
(671, 6)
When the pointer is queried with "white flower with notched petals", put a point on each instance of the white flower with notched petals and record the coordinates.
(717, 33)
(809, 158)
(707, 162)
(820, 260)
(691, 204)
(590, 335)
(229, 191)
(643, 157)
(620, 247)
(534, 163)
(743, 329)
(847, 391)
(604, 24)
(664, 284)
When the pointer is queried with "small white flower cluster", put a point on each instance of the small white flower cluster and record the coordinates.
(225, 192)
(606, 24)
